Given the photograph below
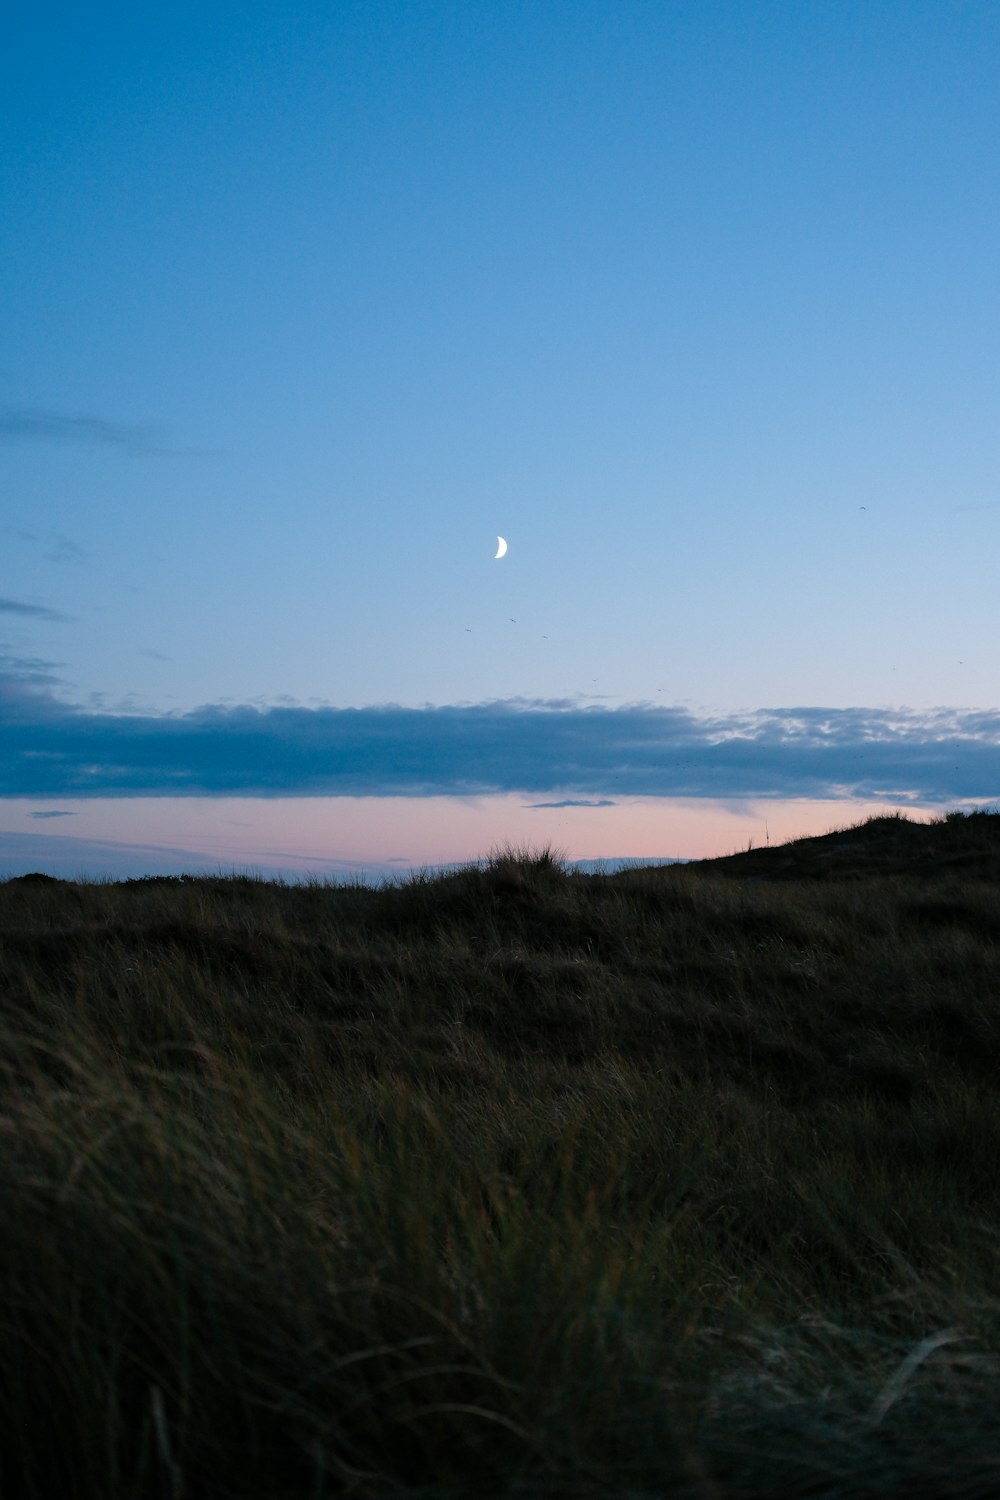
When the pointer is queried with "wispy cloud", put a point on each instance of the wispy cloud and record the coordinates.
(31, 611)
(64, 549)
(59, 547)
(574, 802)
(49, 749)
(30, 424)
(26, 684)
(23, 424)
(52, 814)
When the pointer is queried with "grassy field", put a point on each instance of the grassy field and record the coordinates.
(512, 1182)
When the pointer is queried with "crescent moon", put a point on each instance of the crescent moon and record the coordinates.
(501, 548)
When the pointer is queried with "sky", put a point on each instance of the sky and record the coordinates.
(305, 304)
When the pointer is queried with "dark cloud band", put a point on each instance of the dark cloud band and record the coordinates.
(48, 749)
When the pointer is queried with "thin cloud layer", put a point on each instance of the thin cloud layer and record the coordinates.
(29, 424)
(31, 611)
(25, 683)
(574, 802)
(50, 749)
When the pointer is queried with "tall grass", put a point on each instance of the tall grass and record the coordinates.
(510, 1182)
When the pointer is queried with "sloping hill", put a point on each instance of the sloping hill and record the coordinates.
(959, 844)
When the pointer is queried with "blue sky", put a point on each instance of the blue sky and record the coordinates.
(305, 304)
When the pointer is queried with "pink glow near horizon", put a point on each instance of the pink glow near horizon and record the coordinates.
(404, 833)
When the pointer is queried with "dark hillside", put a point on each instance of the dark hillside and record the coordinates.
(961, 844)
(513, 1182)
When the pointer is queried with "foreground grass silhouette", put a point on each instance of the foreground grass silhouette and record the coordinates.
(511, 1182)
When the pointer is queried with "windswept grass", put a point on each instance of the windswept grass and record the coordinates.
(510, 1182)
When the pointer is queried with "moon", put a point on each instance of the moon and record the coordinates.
(501, 548)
